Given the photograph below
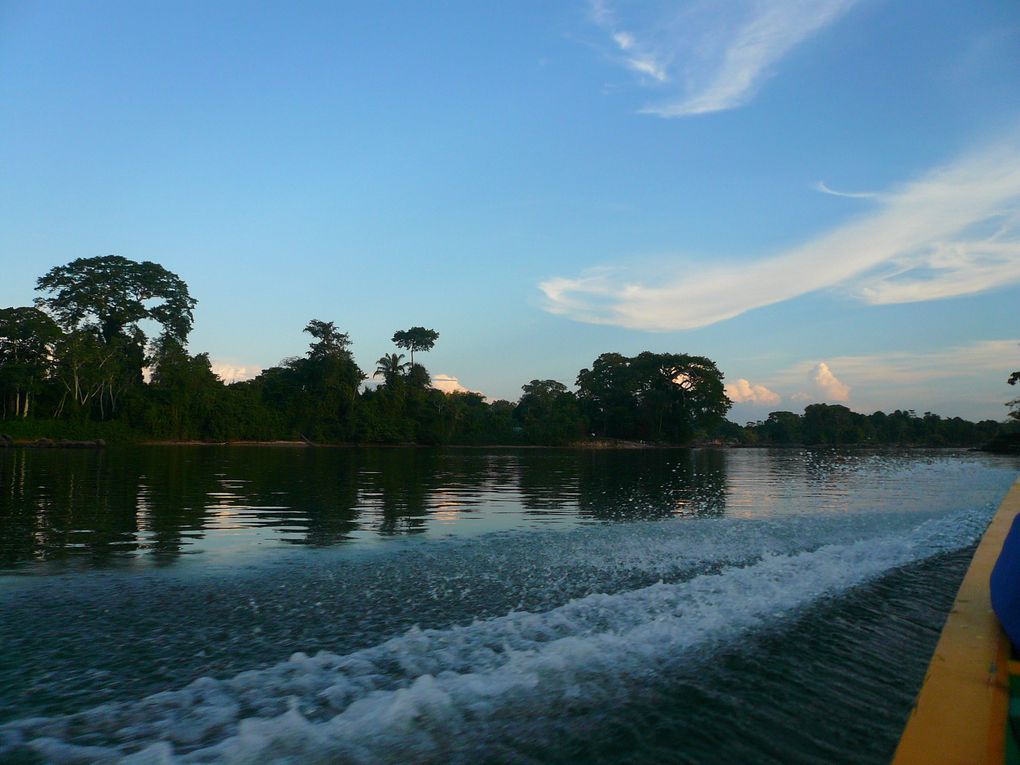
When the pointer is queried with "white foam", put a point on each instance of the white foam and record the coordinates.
(411, 697)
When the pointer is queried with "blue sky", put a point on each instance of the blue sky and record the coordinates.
(823, 196)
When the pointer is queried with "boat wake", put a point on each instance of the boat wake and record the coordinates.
(440, 694)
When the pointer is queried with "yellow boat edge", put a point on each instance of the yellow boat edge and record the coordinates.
(959, 715)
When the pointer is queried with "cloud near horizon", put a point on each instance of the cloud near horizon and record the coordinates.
(827, 385)
(908, 379)
(231, 373)
(954, 231)
(744, 392)
(983, 358)
(450, 384)
(712, 57)
(823, 385)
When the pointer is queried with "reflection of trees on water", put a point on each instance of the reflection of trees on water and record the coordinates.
(407, 488)
(396, 484)
(173, 486)
(310, 495)
(548, 479)
(158, 502)
(93, 505)
(44, 503)
(100, 506)
(54, 506)
(653, 483)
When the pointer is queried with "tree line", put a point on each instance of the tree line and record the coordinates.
(80, 355)
(836, 425)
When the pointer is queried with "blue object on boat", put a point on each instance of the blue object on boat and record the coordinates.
(1005, 585)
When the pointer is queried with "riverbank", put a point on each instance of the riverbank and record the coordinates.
(6, 442)
(29, 433)
(595, 444)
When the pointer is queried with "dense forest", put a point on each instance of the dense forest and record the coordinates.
(79, 363)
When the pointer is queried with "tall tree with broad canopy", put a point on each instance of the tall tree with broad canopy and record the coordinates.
(415, 339)
(99, 303)
(657, 396)
(109, 295)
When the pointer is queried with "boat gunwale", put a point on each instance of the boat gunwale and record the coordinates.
(959, 715)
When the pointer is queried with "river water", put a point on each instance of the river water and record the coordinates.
(213, 604)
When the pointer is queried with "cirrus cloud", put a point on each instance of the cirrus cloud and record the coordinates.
(710, 57)
(954, 231)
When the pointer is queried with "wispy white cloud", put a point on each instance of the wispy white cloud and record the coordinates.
(710, 56)
(635, 55)
(822, 187)
(744, 392)
(955, 231)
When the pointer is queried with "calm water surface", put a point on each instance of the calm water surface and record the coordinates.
(211, 604)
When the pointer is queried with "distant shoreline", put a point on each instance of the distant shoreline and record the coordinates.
(595, 445)
(601, 444)
(607, 444)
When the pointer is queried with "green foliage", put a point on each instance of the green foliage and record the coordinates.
(1014, 405)
(184, 394)
(109, 295)
(315, 395)
(391, 367)
(781, 428)
(830, 424)
(329, 341)
(836, 425)
(549, 414)
(113, 432)
(415, 339)
(418, 377)
(27, 339)
(95, 377)
(652, 396)
(79, 356)
(99, 303)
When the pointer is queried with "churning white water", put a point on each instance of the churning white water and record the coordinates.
(407, 697)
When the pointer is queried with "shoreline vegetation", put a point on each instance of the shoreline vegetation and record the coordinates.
(77, 368)
(1005, 445)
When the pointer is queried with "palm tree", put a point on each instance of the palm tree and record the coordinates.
(390, 367)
